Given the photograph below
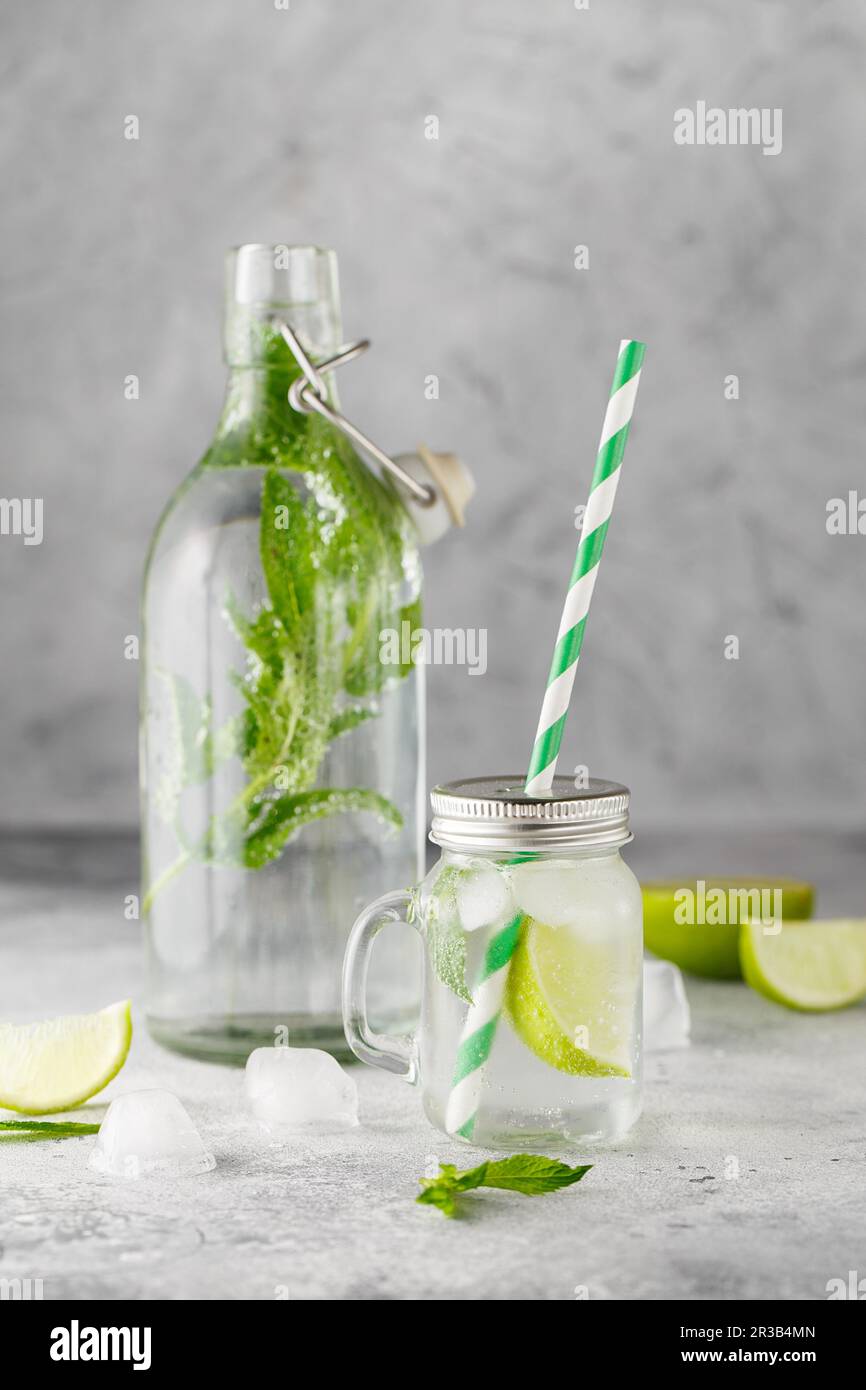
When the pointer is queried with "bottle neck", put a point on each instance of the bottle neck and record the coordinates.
(267, 285)
(262, 369)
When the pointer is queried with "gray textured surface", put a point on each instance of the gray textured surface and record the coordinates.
(780, 1093)
(556, 129)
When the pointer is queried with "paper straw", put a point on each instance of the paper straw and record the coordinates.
(479, 1030)
(554, 710)
(483, 1014)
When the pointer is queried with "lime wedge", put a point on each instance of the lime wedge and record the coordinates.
(808, 965)
(572, 1000)
(708, 943)
(62, 1062)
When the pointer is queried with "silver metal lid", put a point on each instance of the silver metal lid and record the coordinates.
(495, 813)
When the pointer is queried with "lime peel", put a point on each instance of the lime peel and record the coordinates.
(59, 1063)
(540, 1021)
(709, 946)
(810, 966)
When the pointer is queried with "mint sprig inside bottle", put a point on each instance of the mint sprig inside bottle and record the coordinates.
(280, 753)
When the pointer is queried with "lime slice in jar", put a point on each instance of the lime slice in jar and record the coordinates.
(571, 999)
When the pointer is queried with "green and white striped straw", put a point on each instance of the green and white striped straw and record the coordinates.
(479, 1030)
(482, 1016)
(614, 433)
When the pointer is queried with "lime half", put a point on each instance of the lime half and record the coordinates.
(807, 965)
(58, 1064)
(696, 922)
(571, 1001)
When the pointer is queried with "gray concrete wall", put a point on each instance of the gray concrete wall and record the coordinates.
(556, 129)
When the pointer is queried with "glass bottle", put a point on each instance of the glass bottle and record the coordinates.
(281, 758)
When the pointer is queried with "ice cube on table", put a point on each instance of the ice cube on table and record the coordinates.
(483, 898)
(293, 1090)
(667, 1018)
(149, 1133)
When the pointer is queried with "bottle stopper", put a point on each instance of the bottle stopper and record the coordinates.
(453, 484)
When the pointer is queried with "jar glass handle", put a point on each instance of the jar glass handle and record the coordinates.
(389, 1051)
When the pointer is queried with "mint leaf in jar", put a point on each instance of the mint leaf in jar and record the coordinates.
(445, 935)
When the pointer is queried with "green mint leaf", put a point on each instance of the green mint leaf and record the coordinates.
(410, 613)
(406, 622)
(44, 1129)
(364, 672)
(442, 1192)
(349, 718)
(338, 560)
(287, 548)
(190, 720)
(288, 813)
(192, 726)
(532, 1174)
(264, 637)
(196, 749)
(447, 940)
(441, 1196)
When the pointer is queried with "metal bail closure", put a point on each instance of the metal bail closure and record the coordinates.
(435, 487)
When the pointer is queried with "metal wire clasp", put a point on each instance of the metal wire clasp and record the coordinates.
(308, 394)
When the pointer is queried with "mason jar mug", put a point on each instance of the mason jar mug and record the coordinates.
(532, 935)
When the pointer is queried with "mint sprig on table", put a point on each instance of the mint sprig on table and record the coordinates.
(313, 671)
(45, 1129)
(532, 1174)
